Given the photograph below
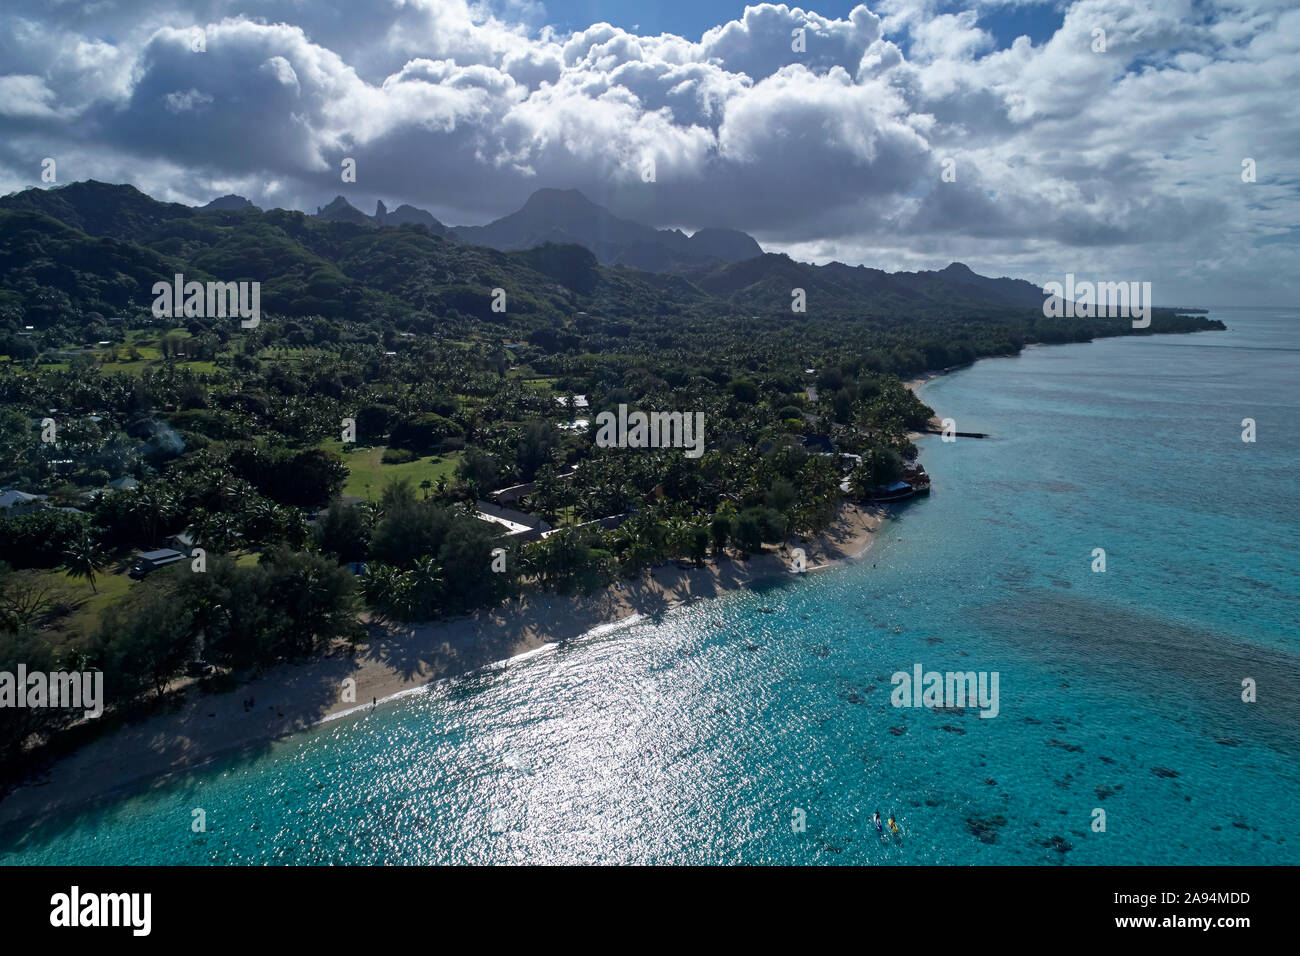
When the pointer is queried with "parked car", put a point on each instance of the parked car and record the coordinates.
(199, 669)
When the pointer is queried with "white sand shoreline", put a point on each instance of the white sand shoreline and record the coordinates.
(399, 660)
(597, 631)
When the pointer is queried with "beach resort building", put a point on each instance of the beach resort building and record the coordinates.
(519, 526)
(14, 502)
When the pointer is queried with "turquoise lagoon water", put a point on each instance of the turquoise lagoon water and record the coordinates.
(694, 738)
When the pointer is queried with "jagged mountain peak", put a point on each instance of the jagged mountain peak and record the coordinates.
(568, 216)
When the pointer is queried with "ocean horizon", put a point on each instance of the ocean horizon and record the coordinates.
(760, 727)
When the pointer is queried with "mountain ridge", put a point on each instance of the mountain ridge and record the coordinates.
(568, 216)
(231, 230)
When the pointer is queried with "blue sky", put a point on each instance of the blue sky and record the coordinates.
(688, 20)
(1038, 21)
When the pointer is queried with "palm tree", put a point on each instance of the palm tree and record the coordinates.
(262, 519)
(371, 511)
(720, 530)
(83, 558)
(291, 527)
(426, 583)
(379, 585)
(154, 505)
(215, 530)
(678, 537)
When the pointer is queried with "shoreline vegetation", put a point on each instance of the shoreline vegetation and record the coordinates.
(395, 660)
(399, 659)
(188, 503)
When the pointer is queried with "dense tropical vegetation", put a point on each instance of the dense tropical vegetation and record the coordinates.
(385, 339)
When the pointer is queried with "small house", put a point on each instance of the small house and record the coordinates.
(14, 502)
(153, 560)
(183, 543)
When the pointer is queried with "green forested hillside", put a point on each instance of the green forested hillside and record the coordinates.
(381, 395)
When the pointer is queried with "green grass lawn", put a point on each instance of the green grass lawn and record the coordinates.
(139, 365)
(543, 383)
(146, 343)
(368, 475)
(87, 606)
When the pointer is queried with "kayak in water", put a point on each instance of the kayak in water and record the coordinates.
(875, 818)
(893, 827)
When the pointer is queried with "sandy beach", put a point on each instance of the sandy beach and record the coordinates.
(196, 726)
(912, 384)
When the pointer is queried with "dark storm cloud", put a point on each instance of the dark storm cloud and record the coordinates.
(1061, 153)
